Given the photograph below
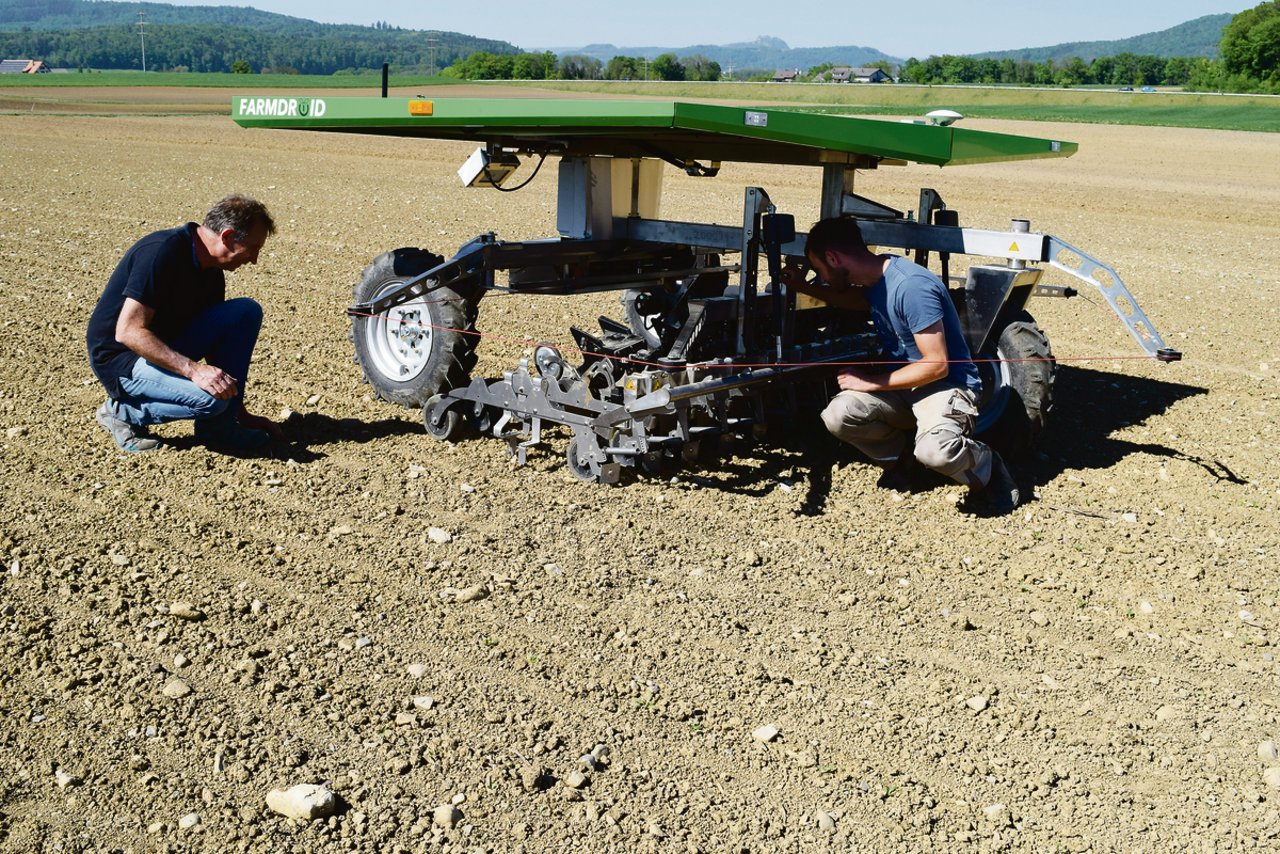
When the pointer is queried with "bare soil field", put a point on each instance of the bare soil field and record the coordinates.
(185, 631)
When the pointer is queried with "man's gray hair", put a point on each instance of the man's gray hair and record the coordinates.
(241, 214)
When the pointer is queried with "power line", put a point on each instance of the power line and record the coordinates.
(142, 37)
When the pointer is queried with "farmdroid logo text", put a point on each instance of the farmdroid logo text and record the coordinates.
(303, 107)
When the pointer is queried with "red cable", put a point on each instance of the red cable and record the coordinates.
(738, 365)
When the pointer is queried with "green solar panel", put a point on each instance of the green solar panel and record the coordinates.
(673, 130)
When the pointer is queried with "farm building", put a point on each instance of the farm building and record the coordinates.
(868, 75)
(838, 74)
(23, 66)
(848, 74)
(845, 74)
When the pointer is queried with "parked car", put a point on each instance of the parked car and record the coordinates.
(1126, 88)
(1147, 89)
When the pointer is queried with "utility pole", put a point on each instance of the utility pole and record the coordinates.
(142, 37)
(431, 48)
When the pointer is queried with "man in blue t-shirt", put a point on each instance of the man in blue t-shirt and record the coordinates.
(167, 344)
(919, 404)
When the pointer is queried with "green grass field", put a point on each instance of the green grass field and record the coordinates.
(1094, 106)
(1169, 108)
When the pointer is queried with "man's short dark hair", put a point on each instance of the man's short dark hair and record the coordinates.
(241, 214)
(839, 234)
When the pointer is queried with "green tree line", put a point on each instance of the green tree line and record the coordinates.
(217, 48)
(483, 65)
(1125, 69)
(1249, 62)
(1250, 51)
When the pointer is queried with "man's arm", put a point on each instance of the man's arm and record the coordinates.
(850, 299)
(258, 422)
(133, 330)
(933, 365)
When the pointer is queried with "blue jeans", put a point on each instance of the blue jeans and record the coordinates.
(224, 336)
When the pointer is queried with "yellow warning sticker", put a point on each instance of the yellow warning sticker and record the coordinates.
(1013, 247)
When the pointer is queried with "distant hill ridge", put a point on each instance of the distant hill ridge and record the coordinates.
(84, 34)
(242, 32)
(764, 52)
(81, 14)
(1199, 37)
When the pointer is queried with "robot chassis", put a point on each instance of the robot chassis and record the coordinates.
(699, 360)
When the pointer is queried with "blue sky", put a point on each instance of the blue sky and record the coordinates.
(917, 28)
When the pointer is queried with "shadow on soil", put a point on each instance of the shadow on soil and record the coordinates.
(1092, 405)
(303, 433)
(306, 431)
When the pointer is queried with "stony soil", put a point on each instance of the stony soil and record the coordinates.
(183, 632)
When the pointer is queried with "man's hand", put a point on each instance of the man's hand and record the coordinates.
(133, 330)
(793, 276)
(793, 273)
(852, 379)
(933, 365)
(214, 380)
(259, 422)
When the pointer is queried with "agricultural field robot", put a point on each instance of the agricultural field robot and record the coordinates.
(709, 345)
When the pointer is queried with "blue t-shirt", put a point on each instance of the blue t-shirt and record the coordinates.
(909, 299)
(162, 272)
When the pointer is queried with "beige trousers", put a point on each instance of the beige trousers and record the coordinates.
(880, 423)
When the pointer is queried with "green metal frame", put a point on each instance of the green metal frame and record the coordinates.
(673, 130)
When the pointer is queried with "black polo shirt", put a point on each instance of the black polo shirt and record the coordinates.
(161, 271)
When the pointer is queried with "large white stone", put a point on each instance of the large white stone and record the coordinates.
(303, 802)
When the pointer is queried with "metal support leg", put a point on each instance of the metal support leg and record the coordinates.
(837, 182)
(757, 200)
(1090, 270)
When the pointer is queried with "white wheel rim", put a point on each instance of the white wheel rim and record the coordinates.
(399, 340)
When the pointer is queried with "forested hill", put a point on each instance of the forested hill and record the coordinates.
(1199, 37)
(86, 34)
(80, 14)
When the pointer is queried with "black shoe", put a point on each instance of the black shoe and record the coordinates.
(225, 434)
(898, 476)
(1001, 494)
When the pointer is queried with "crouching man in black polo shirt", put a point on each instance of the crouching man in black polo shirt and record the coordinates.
(167, 344)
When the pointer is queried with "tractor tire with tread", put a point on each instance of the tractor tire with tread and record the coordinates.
(1018, 390)
(420, 348)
